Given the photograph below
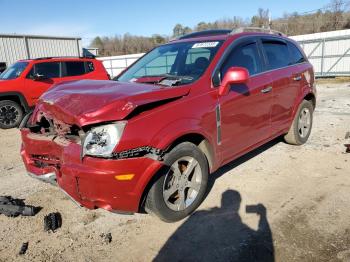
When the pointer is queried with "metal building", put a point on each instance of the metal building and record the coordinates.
(16, 47)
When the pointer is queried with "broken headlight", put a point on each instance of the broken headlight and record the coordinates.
(101, 140)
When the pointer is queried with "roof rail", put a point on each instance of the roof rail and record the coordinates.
(256, 29)
(205, 33)
(57, 57)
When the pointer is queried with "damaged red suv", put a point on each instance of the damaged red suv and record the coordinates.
(149, 140)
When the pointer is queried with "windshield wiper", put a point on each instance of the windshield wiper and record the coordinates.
(165, 79)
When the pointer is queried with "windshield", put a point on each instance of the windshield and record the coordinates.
(172, 64)
(14, 71)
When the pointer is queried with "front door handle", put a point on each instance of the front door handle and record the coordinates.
(266, 90)
(297, 78)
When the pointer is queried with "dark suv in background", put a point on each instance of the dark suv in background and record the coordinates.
(24, 82)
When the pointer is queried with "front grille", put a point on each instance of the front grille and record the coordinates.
(42, 161)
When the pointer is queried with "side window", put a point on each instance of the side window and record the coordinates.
(246, 56)
(74, 68)
(277, 53)
(47, 69)
(296, 56)
(90, 67)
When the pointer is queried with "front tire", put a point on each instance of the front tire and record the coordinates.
(300, 130)
(11, 114)
(181, 187)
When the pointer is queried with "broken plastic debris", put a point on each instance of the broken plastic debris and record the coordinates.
(347, 135)
(107, 238)
(24, 248)
(52, 221)
(12, 207)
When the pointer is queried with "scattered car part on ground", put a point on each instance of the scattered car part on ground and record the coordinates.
(347, 150)
(347, 146)
(52, 221)
(221, 95)
(24, 82)
(107, 238)
(14, 207)
(24, 248)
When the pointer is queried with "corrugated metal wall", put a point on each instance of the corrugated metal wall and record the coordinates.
(16, 47)
(12, 49)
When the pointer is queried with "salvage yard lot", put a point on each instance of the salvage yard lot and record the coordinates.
(305, 190)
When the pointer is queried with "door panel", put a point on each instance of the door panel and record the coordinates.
(245, 111)
(245, 116)
(286, 82)
(51, 71)
(285, 92)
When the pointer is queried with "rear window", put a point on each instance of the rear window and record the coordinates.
(277, 53)
(74, 68)
(90, 67)
(296, 57)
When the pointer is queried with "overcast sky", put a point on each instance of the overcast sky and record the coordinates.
(88, 18)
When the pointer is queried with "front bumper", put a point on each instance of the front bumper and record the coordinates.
(90, 181)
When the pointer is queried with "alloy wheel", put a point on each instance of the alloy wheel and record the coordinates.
(9, 115)
(304, 122)
(182, 183)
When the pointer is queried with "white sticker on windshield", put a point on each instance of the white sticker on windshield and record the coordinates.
(205, 44)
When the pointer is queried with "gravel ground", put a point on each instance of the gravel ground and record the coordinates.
(305, 191)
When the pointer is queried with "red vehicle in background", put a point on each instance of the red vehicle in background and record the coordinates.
(24, 82)
(150, 139)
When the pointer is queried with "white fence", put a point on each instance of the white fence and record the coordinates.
(329, 53)
(116, 64)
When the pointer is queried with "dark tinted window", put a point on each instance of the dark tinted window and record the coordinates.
(246, 56)
(49, 69)
(277, 54)
(90, 67)
(296, 56)
(74, 68)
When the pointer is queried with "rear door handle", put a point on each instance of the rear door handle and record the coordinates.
(266, 90)
(297, 78)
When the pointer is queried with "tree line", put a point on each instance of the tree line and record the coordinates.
(333, 16)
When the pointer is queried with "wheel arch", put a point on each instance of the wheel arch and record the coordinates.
(310, 97)
(16, 97)
(194, 137)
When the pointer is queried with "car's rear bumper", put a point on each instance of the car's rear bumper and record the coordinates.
(89, 181)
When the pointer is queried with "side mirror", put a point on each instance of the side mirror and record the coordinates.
(234, 75)
(39, 77)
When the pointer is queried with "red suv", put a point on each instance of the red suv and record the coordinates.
(24, 82)
(149, 140)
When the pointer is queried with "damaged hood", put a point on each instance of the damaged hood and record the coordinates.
(87, 102)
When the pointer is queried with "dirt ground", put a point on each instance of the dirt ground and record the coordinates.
(305, 191)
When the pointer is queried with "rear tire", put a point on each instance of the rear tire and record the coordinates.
(181, 186)
(301, 127)
(11, 114)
